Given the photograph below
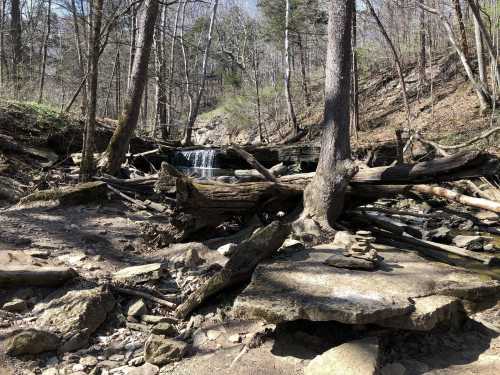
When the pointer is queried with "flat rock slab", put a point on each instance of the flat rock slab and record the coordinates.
(140, 274)
(301, 286)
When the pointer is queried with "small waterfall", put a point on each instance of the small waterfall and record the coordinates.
(200, 161)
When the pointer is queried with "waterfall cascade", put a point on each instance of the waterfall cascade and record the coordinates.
(200, 161)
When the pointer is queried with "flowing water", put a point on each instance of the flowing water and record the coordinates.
(199, 162)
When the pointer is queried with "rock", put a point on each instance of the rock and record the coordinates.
(165, 329)
(469, 242)
(160, 350)
(137, 361)
(15, 305)
(31, 341)
(117, 357)
(353, 358)
(352, 263)
(429, 312)
(50, 371)
(291, 245)
(137, 308)
(235, 339)
(78, 367)
(192, 258)
(76, 314)
(88, 361)
(393, 369)
(145, 369)
(306, 288)
(154, 319)
(441, 234)
(227, 250)
(140, 274)
(213, 335)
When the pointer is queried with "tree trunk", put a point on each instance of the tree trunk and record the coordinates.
(288, 94)
(15, 31)
(168, 125)
(160, 89)
(422, 60)
(396, 58)
(87, 164)
(194, 113)
(2, 44)
(463, 34)
(305, 88)
(324, 196)
(481, 63)
(81, 63)
(355, 76)
(45, 48)
(118, 146)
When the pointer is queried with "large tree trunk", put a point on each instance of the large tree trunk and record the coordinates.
(461, 26)
(166, 130)
(324, 196)
(118, 146)
(481, 63)
(45, 48)
(196, 106)
(87, 164)
(305, 88)
(15, 31)
(288, 94)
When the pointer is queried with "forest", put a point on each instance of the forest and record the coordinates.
(249, 186)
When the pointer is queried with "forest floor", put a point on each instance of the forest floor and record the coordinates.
(97, 239)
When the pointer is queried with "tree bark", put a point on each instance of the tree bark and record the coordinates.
(324, 196)
(481, 63)
(422, 60)
(87, 164)
(44, 56)
(194, 112)
(305, 87)
(168, 125)
(288, 94)
(81, 62)
(15, 31)
(118, 146)
(461, 26)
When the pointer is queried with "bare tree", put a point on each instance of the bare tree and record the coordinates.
(45, 48)
(288, 94)
(87, 163)
(461, 27)
(196, 105)
(118, 146)
(81, 62)
(324, 196)
(15, 31)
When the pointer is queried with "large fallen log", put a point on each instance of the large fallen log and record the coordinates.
(31, 276)
(261, 245)
(250, 159)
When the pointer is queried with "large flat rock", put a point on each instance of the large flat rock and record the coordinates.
(300, 286)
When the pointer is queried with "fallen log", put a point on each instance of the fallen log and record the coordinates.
(138, 293)
(277, 171)
(9, 144)
(250, 159)
(451, 195)
(37, 277)
(261, 245)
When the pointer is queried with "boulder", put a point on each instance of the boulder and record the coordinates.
(353, 358)
(227, 250)
(429, 312)
(352, 263)
(15, 305)
(300, 286)
(192, 259)
(31, 341)
(76, 313)
(160, 350)
(141, 274)
(165, 329)
(137, 308)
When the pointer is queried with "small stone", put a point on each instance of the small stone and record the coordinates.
(117, 357)
(354, 263)
(88, 361)
(136, 361)
(192, 258)
(78, 367)
(50, 371)
(489, 247)
(160, 350)
(353, 358)
(15, 305)
(291, 245)
(393, 369)
(469, 242)
(227, 250)
(235, 339)
(166, 329)
(137, 308)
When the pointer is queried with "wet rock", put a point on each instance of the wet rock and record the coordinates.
(76, 314)
(353, 358)
(15, 305)
(160, 350)
(137, 308)
(469, 242)
(165, 329)
(301, 286)
(31, 341)
(227, 250)
(393, 369)
(353, 263)
(140, 274)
